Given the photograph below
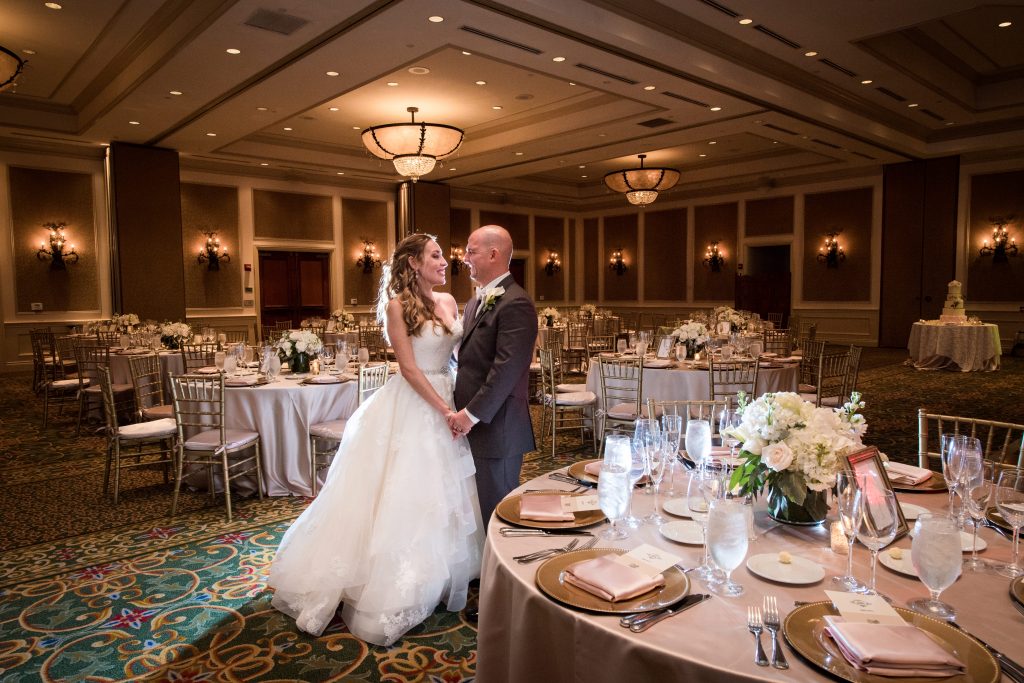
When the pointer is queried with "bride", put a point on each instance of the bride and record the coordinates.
(396, 528)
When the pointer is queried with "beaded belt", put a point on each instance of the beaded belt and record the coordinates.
(442, 371)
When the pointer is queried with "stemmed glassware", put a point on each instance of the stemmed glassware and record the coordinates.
(658, 459)
(952, 456)
(326, 356)
(218, 360)
(977, 495)
(363, 355)
(729, 418)
(1010, 503)
(698, 440)
(727, 540)
(935, 553)
(849, 504)
(879, 521)
(241, 356)
(671, 433)
(645, 431)
(706, 484)
(646, 434)
(613, 486)
(341, 352)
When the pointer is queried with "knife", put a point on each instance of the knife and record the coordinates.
(641, 624)
(1013, 670)
(512, 531)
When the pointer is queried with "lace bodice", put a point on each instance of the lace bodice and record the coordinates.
(433, 347)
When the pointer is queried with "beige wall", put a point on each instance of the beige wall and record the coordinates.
(210, 208)
(848, 212)
(549, 236)
(292, 215)
(363, 220)
(994, 195)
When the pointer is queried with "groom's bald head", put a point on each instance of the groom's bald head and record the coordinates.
(489, 252)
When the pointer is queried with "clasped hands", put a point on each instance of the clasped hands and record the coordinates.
(459, 423)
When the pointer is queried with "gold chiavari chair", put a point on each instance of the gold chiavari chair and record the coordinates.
(1001, 442)
(853, 371)
(151, 438)
(204, 439)
(831, 380)
(696, 409)
(108, 337)
(91, 357)
(622, 384)
(147, 380)
(777, 342)
(574, 352)
(43, 339)
(563, 411)
(774, 318)
(372, 337)
(810, 350)
(237, 336)
(57, 388)
(727, 378)
(328, 434)
(66, 362)
(196, 356)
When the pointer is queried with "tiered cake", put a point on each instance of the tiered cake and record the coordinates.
(953, 311)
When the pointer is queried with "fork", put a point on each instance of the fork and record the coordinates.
(754, 626)
(548, 552)
(771, 622)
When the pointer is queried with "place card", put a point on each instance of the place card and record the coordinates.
(648, 559)
(871, 609)
(579, 503)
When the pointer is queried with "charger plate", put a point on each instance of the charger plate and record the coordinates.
(550, 580)
(576, 471)
(804, 629)
(1017, 590)
(260, 381)
(933, 485)
(508, 510)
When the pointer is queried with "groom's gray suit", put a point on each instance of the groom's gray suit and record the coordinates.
(492, 384)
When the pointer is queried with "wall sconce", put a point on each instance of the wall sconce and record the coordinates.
(616, 263)
(713, 258)
(212, 253)
(554, 264)
(457, 258)
(369, 259)
(1002, 245)
(58, 257)
(831, 253)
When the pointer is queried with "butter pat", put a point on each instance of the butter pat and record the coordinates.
(896, 553)
(785, 558)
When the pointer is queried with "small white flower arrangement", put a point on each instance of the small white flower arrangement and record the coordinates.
(693, 334)
(173, 335)
(298, 341)
(343, 319)
(588, 309)
(730, 315)
(125, 322)
(550, 312)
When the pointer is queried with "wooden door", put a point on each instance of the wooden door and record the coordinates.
(294, 285)
(764, 294)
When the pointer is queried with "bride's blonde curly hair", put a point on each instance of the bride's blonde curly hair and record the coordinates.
(400, 280)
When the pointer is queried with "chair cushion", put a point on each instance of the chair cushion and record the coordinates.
(831, 401)
(332, 429)
(534, 367)
(158, 412)
(149, 430)
(627, 411)
(116, 388)
(808, 397)
(64, 383)
(570, 388)
(210, 439)
(807, 389)
(576, 398)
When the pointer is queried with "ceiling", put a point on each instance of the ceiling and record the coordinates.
(552, 94)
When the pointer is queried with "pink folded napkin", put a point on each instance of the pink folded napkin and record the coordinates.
(593, 468)
(891, 650)
(208, 370)
(543, 507)
(907, 474)
(609, 580)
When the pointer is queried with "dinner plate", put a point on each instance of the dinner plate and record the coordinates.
(911, 511)
(804, 630)
(551, 582)
(324, 379)
(235, 383)
(799, 570)
(933, 485)
(683, 531)
(904, 565)
(207, 370)
(966, 540)
(298, 375)
(576, 471)
(508, 510)
(997, 518)
(676, 506)
(1017, 590)
(658, 363)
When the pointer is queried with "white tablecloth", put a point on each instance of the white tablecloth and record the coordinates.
(171, 362)
(955, 347)
(684, 384)
(525, 636)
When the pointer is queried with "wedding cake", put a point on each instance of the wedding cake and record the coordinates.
(953, 311)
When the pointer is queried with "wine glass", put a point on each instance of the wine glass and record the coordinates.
(621, 344)
(728, 419)
(935, 553)
(363, 355)
(327, 357)
(658, 458)
(613, 489)
(680, 353)
(698, 440)
(341, 351)
(970, 459)
(218, 360)
(879, 521)
(698, 508)
(1010, 503)
(727, 541)
(977, 494)
(672, 433)
(241, 353)
(646, 433)
(950, 469)
(849, 504)
(637, 467)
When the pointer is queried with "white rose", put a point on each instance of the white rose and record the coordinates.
(777, 456)
(294, 335)
(300, 346)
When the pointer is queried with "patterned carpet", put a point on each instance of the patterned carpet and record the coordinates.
(93, 592)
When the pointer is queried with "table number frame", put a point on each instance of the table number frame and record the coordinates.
(867, 460)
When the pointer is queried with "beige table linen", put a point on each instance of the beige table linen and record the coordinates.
(966, 348)
(525, 636)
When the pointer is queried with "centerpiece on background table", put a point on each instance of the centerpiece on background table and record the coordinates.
(297, 348)
(792, 450)
(173, 335)
(125, 323)
(693, 335)
(343, 320)
(549, 316)
(588, 310)
(737, 321)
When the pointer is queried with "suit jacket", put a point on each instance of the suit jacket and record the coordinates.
(494, 373)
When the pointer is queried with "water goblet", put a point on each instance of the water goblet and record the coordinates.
(698, 440)
(849, 502)
(341, 351)
(1010, 503)
(613, 492)
(727, 541)
(879, 521)
(363, 355)
(621, 345)
(977, 495)
(935, 552)
(729, 419)
(327, 358)
(218, 360)
(230, 363)
(680, 352)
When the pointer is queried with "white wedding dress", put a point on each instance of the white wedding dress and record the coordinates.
(396, 528)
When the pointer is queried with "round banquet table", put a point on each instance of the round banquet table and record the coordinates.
(682, 382)
(171, 363)
(526, 636)
(934, 346)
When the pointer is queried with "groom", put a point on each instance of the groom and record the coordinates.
(499, 333)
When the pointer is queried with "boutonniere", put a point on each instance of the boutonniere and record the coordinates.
(490, 297)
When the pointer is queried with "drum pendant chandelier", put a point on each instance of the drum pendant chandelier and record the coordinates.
(10, 66)
(413, 147)
(641, 185)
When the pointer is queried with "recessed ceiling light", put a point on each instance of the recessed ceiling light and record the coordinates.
(133, 123)
(418, 70)
(712, 142)
(867, 81)
(332, 109)
(1005, 24)
(332, 73)
(467, 53)
(481, 82)
(29, 52)
(950, 123)
(912, 105)
(650, 87)
(261, 108)
(571, 83)
(175, 92)
(558, 59)
(392, 84)
(435, 19)
(582, 166)
(211, 135)
(810, 53)
(263, 163)
(702, 155)
(453, 169)
(233, 51)
(746, 22)
(716, 109)
(602, 135)
(496, 107)
(519, 154)
(775, 142)
(341, 173)
(287, 128)
(583, 176)
(53, 5)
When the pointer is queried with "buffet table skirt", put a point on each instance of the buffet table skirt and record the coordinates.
(966, 348)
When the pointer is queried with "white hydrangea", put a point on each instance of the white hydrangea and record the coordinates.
(299, 341)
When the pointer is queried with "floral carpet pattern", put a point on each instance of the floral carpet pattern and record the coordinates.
(93, 592)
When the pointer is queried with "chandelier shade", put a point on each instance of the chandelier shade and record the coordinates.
(641, 185)
(413, 147)
(10, 66)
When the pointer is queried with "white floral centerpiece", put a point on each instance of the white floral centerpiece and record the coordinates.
(343, 319)
(125, 322)
(173, 335)
(736, 320)
(549, 316)
(793, 449)
(296, 347)
(693, 334)
(588, 309)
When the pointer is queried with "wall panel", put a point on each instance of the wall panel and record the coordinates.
(292, 216)
(593, 261)
(517, 224)
(715, 223)
(548, 236)
(362, 220)
(665, 255)
(210, 208)
(993, 195)
(621, 232)
(462, 284)
(849, 213)
(770, 216)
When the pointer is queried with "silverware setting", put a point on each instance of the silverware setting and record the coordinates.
(551, 552)
(998, 529)
(640, 622)
(566, 479)
(1012, 670)
(516, 531)
(772, 623)
(755, 626)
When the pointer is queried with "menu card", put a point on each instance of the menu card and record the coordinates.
(648, 559)
(871, 609)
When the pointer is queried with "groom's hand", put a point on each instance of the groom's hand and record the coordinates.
(459, 422)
